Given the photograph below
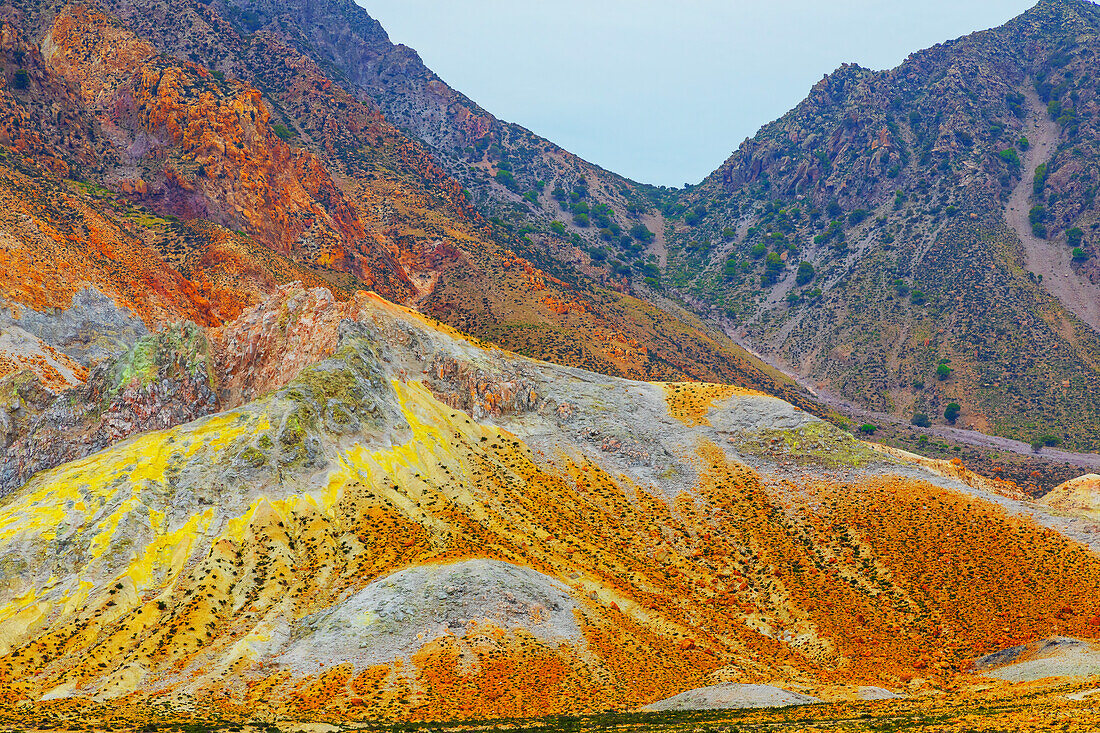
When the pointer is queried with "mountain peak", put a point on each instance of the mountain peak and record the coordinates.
(1064, 10)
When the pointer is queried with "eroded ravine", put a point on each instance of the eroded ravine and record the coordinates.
(1050, 259)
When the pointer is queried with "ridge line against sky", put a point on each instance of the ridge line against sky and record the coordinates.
(662, 92)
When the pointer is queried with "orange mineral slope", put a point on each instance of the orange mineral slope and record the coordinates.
(58, 238)
(208, 148)
(422, 527)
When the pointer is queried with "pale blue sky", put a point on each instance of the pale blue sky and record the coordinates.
(662, 91)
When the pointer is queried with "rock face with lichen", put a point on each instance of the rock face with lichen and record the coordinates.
(161, 381)
(204, 148)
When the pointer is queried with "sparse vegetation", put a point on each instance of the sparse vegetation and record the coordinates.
(282, 131)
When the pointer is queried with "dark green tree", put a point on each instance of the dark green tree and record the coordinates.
(805, 273)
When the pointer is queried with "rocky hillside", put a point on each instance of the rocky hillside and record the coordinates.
(910, 192)
(576, 214)
(178, 162)
(406, 523)
(922, 236)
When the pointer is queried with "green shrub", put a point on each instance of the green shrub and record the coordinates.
(557, 227)
(921, 420)
(1015, 103)
(805, 273)
(601, 215)
(868, 429)
(1037, 216)
(773, 266)
(1080, 254)
(282, 131)
(943, 372)
(1040, 180)
(641, 232)
(1045, 441)
(505, 178)
(1011, 157)
(1075, 236)
(951, 414)
(731, 268)
(20, 79)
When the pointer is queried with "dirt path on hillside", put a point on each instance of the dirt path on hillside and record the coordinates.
(1052, 260)
(959, 435)
(656, 224)
(962, 435)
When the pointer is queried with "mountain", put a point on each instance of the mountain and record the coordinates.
(909, 238)
(924, 169)
(386, 519)
(271, 455)
(193, 165)
(573, 217)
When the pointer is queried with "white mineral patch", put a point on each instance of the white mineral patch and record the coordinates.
(731, 695)
(876, 693)
(1055, 657)
(396, 615)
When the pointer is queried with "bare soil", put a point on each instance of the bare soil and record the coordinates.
(1052, 260)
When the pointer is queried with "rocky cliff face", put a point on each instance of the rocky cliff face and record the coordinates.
(196, 147)
(510, 173)
(160, 382)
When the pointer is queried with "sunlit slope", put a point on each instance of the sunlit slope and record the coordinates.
(421, 527)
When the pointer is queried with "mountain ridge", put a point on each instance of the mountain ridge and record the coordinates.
(909, 167)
